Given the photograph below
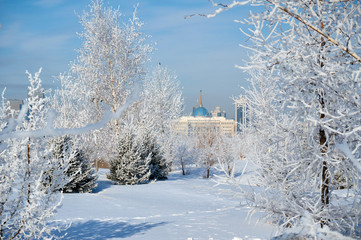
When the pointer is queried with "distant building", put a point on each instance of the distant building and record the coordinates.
(202, 120)
(241, 114)
(16, 104)
(218, 112)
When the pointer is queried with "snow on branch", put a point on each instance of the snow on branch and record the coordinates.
(49, 130)
(225, 7)
(329, 38)
(222, 8)
(343, 147)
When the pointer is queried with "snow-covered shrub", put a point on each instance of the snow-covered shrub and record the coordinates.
(83, 175)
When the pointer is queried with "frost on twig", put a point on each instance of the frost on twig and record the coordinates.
(304, 68)
(222, 8)
(50, 131)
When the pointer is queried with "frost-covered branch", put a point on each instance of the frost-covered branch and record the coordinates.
(50, 131)
(314, 28)
(304, 71)
(343, 147)
(222, 8)
(225, 7)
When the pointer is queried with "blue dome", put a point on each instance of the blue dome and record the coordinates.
(200, 112)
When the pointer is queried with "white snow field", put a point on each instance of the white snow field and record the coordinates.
(183, 207)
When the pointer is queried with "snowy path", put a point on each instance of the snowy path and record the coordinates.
(179, 208)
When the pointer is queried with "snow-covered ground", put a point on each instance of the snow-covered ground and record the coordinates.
(183, 207)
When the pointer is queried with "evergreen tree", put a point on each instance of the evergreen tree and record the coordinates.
(129, 166)
(81, 176)
(158, 164)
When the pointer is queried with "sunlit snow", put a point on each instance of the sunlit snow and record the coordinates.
(183, 207)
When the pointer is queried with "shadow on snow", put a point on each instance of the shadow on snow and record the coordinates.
(94, 229)
(102, 185)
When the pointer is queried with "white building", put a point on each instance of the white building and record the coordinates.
(201, 120)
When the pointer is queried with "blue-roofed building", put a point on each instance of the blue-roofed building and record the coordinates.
(200, 111)
(202, 120)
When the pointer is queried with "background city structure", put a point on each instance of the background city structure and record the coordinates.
(202, 120)
(241, 114)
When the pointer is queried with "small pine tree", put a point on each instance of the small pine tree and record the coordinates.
(158, 164)
(81, 176)
(129, 166)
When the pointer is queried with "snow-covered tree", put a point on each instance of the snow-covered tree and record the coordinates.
(150, 149)
(181, 152)
(80, 172)
(130, 166)
(25, 204)
(228, 151)
(305, 73)
(110, 62)
(73, 104)
(206, 144)
(162, 102)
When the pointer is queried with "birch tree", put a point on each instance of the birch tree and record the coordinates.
(110, 62)
(305, 74)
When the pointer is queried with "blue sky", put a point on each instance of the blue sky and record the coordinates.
(201, 52)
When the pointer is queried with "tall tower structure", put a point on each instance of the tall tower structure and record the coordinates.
(200, 111)
(241, 114)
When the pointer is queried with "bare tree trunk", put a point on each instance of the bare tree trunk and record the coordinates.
(182, 164)
(28, 171)
(29, 190)
(325, 176)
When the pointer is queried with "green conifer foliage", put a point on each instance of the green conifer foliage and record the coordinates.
(129, 166)
(80, 173)
(158, 164)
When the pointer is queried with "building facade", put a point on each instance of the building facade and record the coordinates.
(241, 114)
(201, 120)
(218, 112)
